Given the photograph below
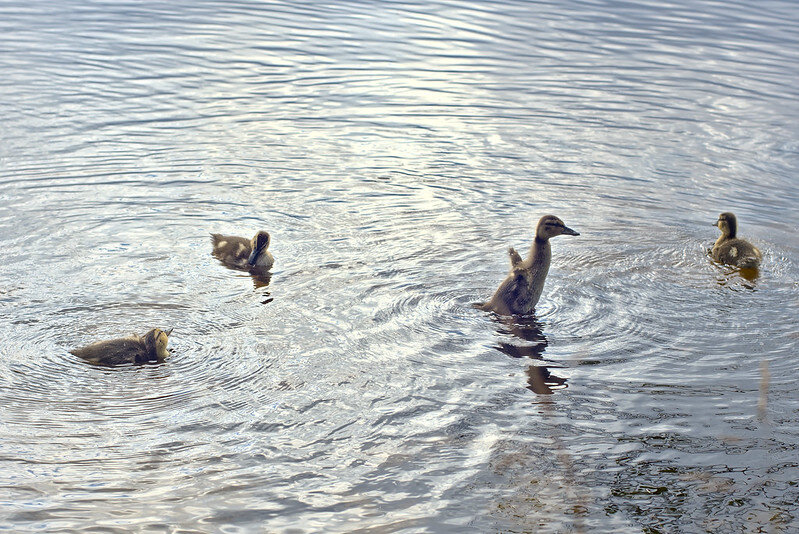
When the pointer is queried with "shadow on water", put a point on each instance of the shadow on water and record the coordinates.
(117, 365)
(737, 277)
(260, 279)
(531, 344)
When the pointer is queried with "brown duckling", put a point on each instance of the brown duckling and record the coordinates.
(242, 253)
(730, 249)
(519, 292)
(151, 347)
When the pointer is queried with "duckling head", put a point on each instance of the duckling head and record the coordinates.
(156, 340)
(551, 226)
(728, 224)
(259, 243)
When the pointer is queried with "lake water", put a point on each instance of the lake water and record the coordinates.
(394, 150)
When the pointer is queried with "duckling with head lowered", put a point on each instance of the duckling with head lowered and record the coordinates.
(151, 347)
(519, 292)
(242, 253)
(730, 249)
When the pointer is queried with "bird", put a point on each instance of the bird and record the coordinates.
(519, 292)
(243, 253)
(731, 250)
(132, 349)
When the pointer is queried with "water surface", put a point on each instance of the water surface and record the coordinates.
(394, 150)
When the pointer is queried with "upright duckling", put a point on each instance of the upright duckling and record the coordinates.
(731, 250)
(242, 253)
(151, 347)
(519, 292)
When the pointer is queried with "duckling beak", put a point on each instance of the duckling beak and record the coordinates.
(569, 231)
(168, 332)
(253, 256)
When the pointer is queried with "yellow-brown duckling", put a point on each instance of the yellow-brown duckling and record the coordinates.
(151, 347)
(730, 249)
(243, 253)
(519, 292)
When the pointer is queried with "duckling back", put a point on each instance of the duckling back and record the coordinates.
(115, 351)
(738, 253)
(232, 250)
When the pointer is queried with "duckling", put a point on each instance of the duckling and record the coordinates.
(242, 253)
(731, 250)
(519, 292)
(133, 349)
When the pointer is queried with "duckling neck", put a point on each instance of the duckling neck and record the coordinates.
(722, 238)
(540, 253)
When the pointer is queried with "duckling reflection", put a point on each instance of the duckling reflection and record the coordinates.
(242, 253)
(737, 278)
(151, 347)
(260, 280)
(519, 292)
(731, 250)
(528, 330)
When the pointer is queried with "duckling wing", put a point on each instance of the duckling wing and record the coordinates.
(509, 297)
(519, 289)
(515, 259)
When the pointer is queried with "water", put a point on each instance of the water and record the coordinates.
(394, 151)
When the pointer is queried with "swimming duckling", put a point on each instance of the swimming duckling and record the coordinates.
(134, 349)
(242, 253)
(519, 292)
(731, 250)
